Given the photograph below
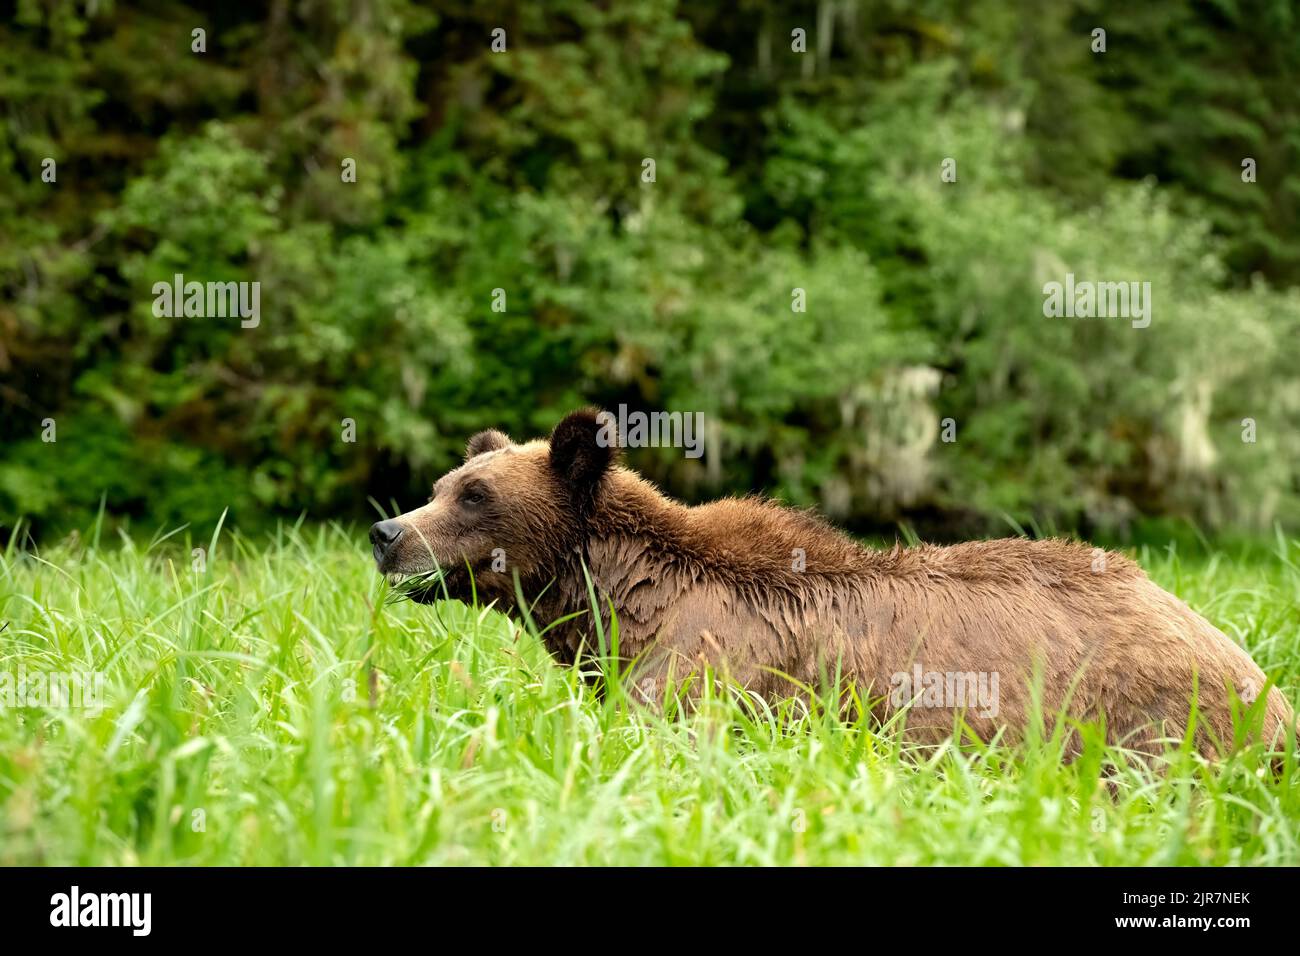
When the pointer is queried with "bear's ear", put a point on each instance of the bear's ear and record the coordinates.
(489, 440)
(583, 446)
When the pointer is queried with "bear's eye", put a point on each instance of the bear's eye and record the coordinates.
(473, 496)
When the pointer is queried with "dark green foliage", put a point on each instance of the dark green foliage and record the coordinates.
(522, 172)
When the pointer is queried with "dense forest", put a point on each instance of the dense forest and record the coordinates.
(828, 226)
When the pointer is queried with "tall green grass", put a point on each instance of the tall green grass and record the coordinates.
(272, 708)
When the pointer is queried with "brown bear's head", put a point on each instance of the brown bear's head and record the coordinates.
(509, 508)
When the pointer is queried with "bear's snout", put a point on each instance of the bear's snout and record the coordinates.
(383, 535)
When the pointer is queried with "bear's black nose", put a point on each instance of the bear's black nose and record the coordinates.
(382, 536)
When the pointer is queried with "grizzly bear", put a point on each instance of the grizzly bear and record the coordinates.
(778, 601)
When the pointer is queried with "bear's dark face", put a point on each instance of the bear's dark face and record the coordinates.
(508, 509)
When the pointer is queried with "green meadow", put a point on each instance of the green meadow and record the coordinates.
(267, 703)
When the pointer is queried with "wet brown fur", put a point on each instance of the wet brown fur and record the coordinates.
(717, 584)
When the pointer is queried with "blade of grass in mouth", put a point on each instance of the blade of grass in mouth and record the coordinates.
(413, 585)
